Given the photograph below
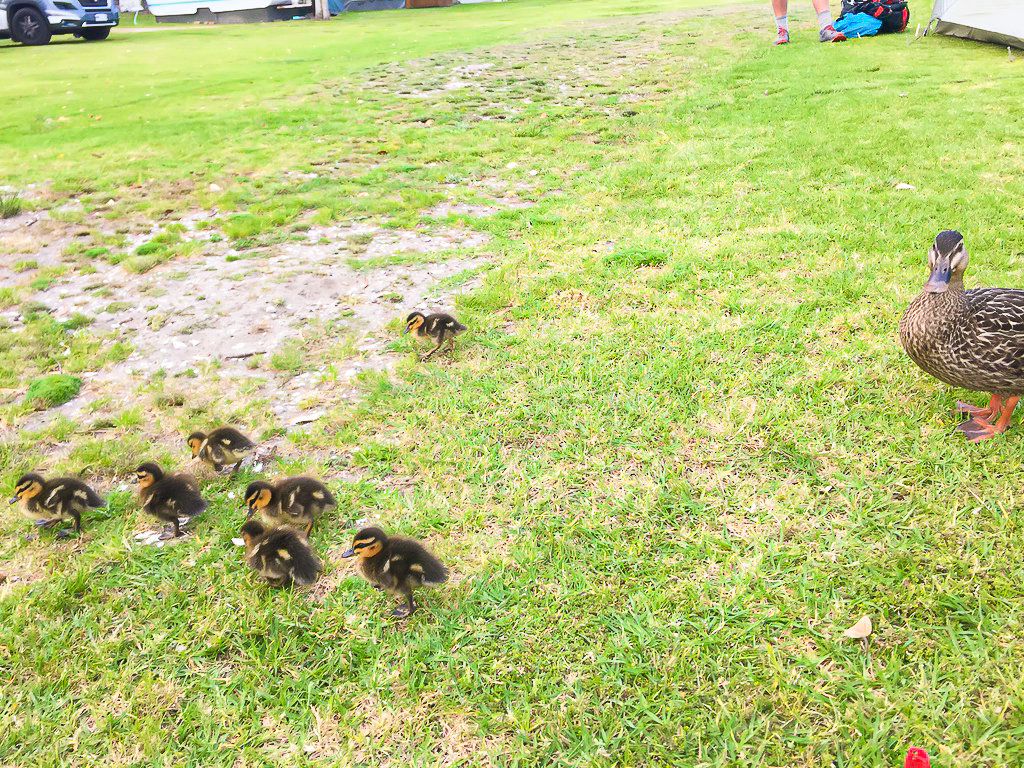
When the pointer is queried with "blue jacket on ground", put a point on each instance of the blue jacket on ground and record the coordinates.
(858, 25)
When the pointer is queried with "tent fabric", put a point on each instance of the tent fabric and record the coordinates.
(992, 21)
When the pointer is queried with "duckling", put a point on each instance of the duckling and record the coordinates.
(280, 555)
(48, 502)
(970, 339)
(169, 497)
(295, 502)
(225, 445)
(438, 326)
(396, 564)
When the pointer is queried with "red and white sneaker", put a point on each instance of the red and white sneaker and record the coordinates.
(829, 35)
(783, 37)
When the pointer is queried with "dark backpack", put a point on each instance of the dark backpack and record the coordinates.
(893, 14)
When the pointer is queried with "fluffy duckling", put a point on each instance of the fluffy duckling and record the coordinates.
(48, 502)
(439, 327)
(294, 502)
(168, 497)
(225, 445)
(279, 555)
(396, 564)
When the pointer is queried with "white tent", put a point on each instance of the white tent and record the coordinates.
(993, 21)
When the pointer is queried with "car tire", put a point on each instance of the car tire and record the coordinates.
(30, 27)
(96, 33)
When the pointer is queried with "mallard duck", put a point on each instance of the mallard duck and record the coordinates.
(225, 445)
(396, 564)
(437, 327)
(969, 339)
(48, 502)
(279, 555)
(171, 498)
(294, 501)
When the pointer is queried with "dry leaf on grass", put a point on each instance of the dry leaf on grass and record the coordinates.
(860, 630)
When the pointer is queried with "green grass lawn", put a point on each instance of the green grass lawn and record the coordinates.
(678, 453)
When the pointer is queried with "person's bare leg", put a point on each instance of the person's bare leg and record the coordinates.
(781, 10)
(826, 32)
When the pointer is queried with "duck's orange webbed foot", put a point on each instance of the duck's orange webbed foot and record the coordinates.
(995, 405)
(978, 428)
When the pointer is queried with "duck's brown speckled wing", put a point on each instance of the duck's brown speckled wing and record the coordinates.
(990, 346)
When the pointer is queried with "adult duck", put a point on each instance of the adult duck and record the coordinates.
(969, 339)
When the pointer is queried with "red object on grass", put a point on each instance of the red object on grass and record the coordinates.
(917, 758)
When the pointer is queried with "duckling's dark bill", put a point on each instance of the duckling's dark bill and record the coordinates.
(350, 553)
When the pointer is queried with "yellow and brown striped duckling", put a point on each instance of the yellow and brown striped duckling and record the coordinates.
(49, 502)
(396, 564)
(172, 498)
(437, 327)
(222, 446)
(969, 339)
(280, 555)
(295, 502)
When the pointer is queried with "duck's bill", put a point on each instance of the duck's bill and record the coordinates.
(939, 282)
(350, 553)
(13, 499)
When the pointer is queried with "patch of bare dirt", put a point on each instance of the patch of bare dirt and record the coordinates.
(382, 737)
(183, 314)
(338, 571)
(595, 69)
(231, 309)
(27, 567)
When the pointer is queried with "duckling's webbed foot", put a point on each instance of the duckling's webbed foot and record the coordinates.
(427, 356)
(172, 531)
(66, 533)
(404, 611)
(440, 342)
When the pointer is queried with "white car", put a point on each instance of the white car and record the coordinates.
(34, 22)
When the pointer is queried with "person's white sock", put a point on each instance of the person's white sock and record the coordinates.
(783, 22)
(824, 19)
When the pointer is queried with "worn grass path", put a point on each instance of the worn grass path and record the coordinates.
(678, 454)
